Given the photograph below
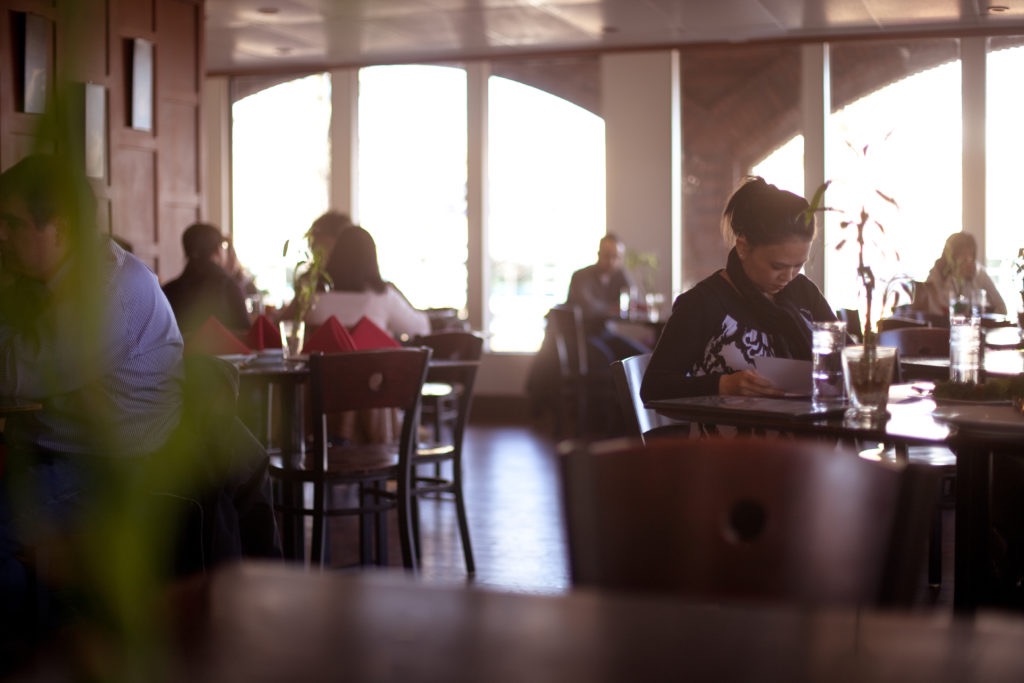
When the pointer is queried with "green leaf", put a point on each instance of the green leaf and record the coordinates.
(285, 251)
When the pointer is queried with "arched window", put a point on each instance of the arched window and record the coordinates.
(545, 189)
(547, 206)
(280, 169)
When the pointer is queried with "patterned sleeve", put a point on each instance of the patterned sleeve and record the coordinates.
(680, 349)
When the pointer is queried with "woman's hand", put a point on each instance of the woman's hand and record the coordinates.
(747, 383)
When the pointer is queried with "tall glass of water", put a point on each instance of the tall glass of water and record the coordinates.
(827, 342)
(964, 340)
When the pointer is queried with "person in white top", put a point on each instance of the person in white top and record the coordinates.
(357, 289)
(957, 272)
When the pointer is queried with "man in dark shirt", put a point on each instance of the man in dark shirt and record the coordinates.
(597, 289)
(205, 288)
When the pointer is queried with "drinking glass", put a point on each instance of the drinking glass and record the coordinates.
(964, 340)
(868, 371)
(828, 339)
(292, 334)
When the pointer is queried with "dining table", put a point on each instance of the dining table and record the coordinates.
(979, 434)
(272, 406)
(253, 622)
(996, 362)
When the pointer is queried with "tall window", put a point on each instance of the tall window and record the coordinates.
(547, 206)
(280, 171)
(903, 140)
(1004, 176)
(412, 178)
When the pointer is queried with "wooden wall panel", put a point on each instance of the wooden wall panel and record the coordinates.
(137, 17)
(171, 258)
(153, 184)
(134, 206)
(180, 23)
(85, 43)
(179, 163)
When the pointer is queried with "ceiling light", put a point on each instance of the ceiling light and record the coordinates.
(268, 10)
(996, 9)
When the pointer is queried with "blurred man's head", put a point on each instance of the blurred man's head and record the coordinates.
(46, 209)
(203, 242)
(610, 253)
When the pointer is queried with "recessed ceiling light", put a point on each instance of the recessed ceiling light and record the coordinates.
(996, 9)
(267, 10)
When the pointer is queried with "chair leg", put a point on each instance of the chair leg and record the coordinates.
(366, 528)
(405, 529)
(316, 556)
(935, 548)
(460, 511)
(414, 514)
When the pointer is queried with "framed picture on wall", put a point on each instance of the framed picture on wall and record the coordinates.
(95, 121)
(141, 85)
(35, 33)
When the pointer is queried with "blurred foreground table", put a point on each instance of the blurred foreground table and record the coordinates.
(276, 623)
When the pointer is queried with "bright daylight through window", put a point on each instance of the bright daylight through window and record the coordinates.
(546, 189)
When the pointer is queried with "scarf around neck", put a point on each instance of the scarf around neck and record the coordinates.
(790, 333)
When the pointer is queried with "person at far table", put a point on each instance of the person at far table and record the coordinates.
(955, 272)
(597, 290)
(205, 288)
(758, 305)
(320, 240)
(357, 290)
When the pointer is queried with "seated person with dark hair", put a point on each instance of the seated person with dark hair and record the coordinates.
(596, 290)
(205, 288)
(87, 334)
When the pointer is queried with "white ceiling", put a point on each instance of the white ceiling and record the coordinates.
(253, 36)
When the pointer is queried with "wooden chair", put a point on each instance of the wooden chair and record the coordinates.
(917, 341)
(628, 374)
(926, 342)
(455, 358)
(744, 518)
(851, 317)
(897, 323)
(354, 381)
(573, 373)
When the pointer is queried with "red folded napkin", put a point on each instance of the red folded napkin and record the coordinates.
(331, 337)
(264, 334)
(367, 335)
(214, 339)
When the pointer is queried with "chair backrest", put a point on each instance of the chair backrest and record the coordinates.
(628, 374)
(917, 341)
(851, 317)
(570, 340)
(452, 345)
(746, 518)
(898, 323)
(361, 380)
(454, 360)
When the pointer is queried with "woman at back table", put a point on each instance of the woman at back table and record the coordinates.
(357, 289)
(758, 305)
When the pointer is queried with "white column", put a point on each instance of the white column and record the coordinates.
(216, 185)
(816, 103)
(344, 133)
(641, 106)
(477, 74)
(972, 85)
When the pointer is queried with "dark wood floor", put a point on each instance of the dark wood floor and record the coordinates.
(514, 513)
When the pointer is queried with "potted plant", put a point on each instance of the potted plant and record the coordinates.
(306, 283)
(1018, 266)
(867, 368)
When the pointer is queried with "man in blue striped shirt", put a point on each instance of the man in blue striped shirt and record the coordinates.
(86, 332)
